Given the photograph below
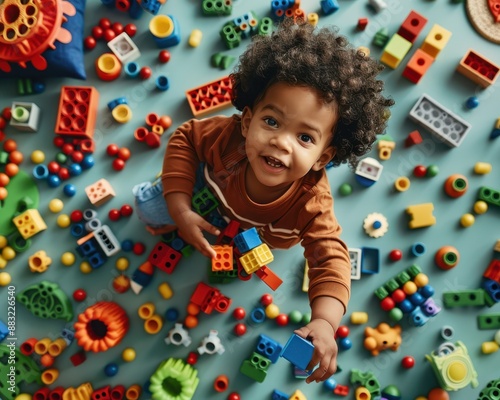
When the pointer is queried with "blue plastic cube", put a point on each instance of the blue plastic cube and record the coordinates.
(269, 348)
(247, 240)
(298, 351)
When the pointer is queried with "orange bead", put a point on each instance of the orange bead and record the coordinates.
(10, 145)
(438, 394)
(165, 121)
(447, 257)
(193, 309)
(11, 169)
(191, 322)
(3, 193)
(16, 157)
(4, 179)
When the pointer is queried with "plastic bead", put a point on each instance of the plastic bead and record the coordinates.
(419, 171)
(5, 278)
(111, 369)
(447, 257)
(480, 168)
(69, 190)
(164, 56)
(128, 354)
(240, 329)
(122, 264)
(402, 184)
(408, 362)
(282, 320)
(342, 331)
(56, 205)
(467, 220)
(37, 156)
(418, 249)
(395, 255)
(345, 189)
(79, 295)
(432, 171)
(472, 102)
(272, 311)
(480, 207)
(85, 267)
(63, 221)
(266, 299)
(239, 313)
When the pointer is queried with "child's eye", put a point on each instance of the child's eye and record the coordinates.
(306, 138)
(271, 122)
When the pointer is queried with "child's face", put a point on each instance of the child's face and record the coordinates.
(288, 133)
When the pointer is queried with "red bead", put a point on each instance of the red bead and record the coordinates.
(53, 167)
(2, 135)
(79, 295)
(126, 210)
(89, 43)
(164, 56)
(112, 150)
(105, 23)
(76, 216)
(192, 358)
(117, 28)
(240, 329)
(145, 73)
(387, 304)
(77, 156)
(118, 164)
(419, 171)
(7, 113)
(58, 141)
(63, 173)
(282, 319)
(408, 362)
(266, 299)
(97, 32)
(239, 313)
(233, 396)
(123, 154)
(398, 295)
(114, 214)
(342, 331)
(67, 148)
(109, 34)
(10, 145)
(395, 255)
(139, 248)
(131, 29)
(3, 122)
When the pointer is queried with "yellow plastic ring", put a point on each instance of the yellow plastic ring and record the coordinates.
(122, 113)
(161, 26)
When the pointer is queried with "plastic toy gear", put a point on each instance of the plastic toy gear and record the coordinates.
(30, 27)
(375, 225)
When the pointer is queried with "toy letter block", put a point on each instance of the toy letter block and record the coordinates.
(395, 50)
(412, 26)
(29, 223)
(436, 40)
(100, 192)
(224, 259)
(256, 258)
(418, 65)
(478, 69)
(421, 215)
(298, 351)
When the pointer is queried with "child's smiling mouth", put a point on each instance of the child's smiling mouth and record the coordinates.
(274, 162)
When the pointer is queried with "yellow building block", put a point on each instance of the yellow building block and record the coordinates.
(395, 50)
(256, 258)
(29, 223)
(385, 148)
(421, 215)
(82, 392)
(39, 262)
(297, 395)
(436, 40)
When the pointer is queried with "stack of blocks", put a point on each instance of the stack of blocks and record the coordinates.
(266, 353)
(255, 254)
(98, 245)
(408, 293)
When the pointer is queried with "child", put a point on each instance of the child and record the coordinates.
(306, 99)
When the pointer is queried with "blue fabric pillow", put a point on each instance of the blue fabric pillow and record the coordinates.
(66, 60)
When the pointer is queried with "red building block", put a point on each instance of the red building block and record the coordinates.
(210, 97)
(42, 394)
(164, 257)
(417, 66)
(269, 277)
(228, 233)
(493, 271)
(242, 274)
(77, 111)
(101, 394)
(118, 392)
(57, 393)
(362, 23)
(413, 138)
(412, 26)
(341, 390)
(78, 358)
(209, 298)
(478, 69)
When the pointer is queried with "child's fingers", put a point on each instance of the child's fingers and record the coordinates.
(206, 226)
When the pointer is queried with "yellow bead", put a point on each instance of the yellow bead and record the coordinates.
(195, 38)
(313, 18)
(410, 287)
(63, 221)
(23, 396)
(165, 290)
(85, 268)
(489, 347)
(482, 168)
(3, 262)
(467, 220)
(421, 280)
(68, 259)
(480, 207)
(3, 241)
(359, 318)
(8, 253)
(128, 354)
(122, 264)
(37, 156)
(5, 278)
(272, 311)
(56, 205)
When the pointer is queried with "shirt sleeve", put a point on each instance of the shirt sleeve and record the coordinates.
(327, 255)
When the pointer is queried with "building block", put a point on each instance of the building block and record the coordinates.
(247, 240)
(164, 257)
(209, 298)
(490, 391)
(124, 48)
(256, 367)
(417, 66)
(385, 146)
(492, 289)
(267, 276)
(107, 241)
(413, 138)
(453, 366)
(488, 321)
(298, 351)
(462, 298)
(25, 116)
(368, 380)
(246, 24)
(297, 395)
(151, 6)
(269, 348)
(256, 258)
(381, 38)
(203, 202)
(100, 192)
(362, 24)
(227, 234)
(421, 215)
(493, 271)
(370, 260)
(356, 262)
(305, 280)
(329, 6)
(77, 113)
(212, 7)
(29, 223)
(395, 50)
(436, 40)
(438, 120)
(495, 132)
(39, 262)
(368, 171)
(489, 195)
(46, 300)
(211, 344)
(478, 69)
(230, 35)
(210, 97)
(101, 393)
(279, 395)
(412, 26)
(223, 261)
(165, 30)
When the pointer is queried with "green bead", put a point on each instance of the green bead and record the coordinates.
(391, 390)
(432, 171)
(295, 317)
(396, 314)
(345, 189)
(61, 158)
(306, 318)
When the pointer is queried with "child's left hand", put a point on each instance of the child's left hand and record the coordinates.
(322, 336)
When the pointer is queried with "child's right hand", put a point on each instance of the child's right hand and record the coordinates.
(191, 226)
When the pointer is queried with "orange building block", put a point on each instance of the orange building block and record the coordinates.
(77, 111)
(224, 259)
(29, 223)
(100, 192)
(478, 69)
(269, 277)
(417, 66)
(421, 215)
(412, 26)
(210, 97)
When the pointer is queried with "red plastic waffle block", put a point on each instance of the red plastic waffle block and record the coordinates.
(412, 26)
(164, 257)
(478, 69)
(210, 97)
(77, 111)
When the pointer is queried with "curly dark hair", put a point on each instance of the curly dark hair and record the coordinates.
(300, 54)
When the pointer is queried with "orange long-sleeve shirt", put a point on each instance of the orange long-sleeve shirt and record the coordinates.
(303, 214)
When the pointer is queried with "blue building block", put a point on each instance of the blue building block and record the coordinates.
(87, 248)
(298, 351)
(370, 260)
(492, 288)
(135, 11)
(278, 394)
(171, 40)
(247, 240)
(96, 260)
(151, 6)
(4, 331)
(68, 335)
(417, 317)
(269, 348)
(329, 6)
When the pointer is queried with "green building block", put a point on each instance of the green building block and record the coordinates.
(217, 7)
(174, 379)
(381, 293)
(463, 298)
(46, 300)
(488, 321)
(381, 37)
(489, 195)
(491, 391)
(414, 270)
(368, 380)
(391, 285)
(204, 202)
(256, 367)
(221, 276)
(395, 50)
(265, 26)
(26, 371)
(403, 277)
(230, 36)
(215, 60)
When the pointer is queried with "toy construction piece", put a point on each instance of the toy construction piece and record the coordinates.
(375, 225)
(482, 17)
(47, 300)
